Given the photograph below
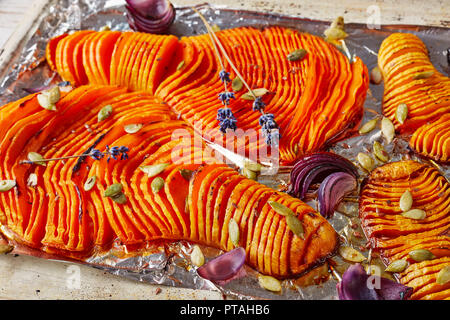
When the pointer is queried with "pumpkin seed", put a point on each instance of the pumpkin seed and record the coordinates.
(215, 28)
(416, 214)
(133, 128)
(113, 190)
(259, 92)
(54, 94)
(253, 166)
(186, 173)
(334, 34)
(397, 266)
(44, 102)
(375, 76)
(105, 28)
(338, 23)
(90, 183)
(368, 126)
(401, 113)
(32, 180)
(280, 208)
(120, 198)
(423, 75)
(388, 129)
(366, 161)
(157, 184)
(379, 152)
(421, 255)
(296, 55)
(197, 257)
(154, 170)
(406, 201)
(269, 283)
(295, 225)
(36, 158)
(351, 254)
(249, 173)
(233, 230)
(6, 185)
(104, 113)
(237, 84)
(6, 248)
(443, 276)
(180, 65)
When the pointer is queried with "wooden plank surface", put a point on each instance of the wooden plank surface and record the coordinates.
(23, 277)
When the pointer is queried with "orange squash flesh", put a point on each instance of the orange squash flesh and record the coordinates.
(395, 236)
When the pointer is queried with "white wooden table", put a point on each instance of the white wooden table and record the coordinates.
(23, 277)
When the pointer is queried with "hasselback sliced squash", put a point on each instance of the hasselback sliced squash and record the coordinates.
(396, 236)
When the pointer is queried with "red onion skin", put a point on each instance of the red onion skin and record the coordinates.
(145, 23)
(354, 287)
(332, 190)
(304, 167)
(153, 9)
(224, 267)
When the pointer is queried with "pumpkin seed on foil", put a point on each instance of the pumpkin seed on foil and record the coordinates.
(443, 276)
(379, 152)
(90, 183)
(215, 28)
(415, 214)
(295, 225)
(233, 231)
(186, 173)
(133, 128)
(105, 28)
(157, 184)
(269, 283)
(36, 158)
(368, 126)
(296, 55)
(351, 254)
(280, 208)
(120, 198)
(249, 173)
(252, 165)
(401, 113)
(387, 129)
(375, 76)
(397, 266)
(406, 201)
(197, 257)
(365, 161)
(423, 75)
(6, 248)
(259, 92)
(180, 65)
(113, 190)
(154, 170)
(421, 255)
(6, 185)
(32, 180)
(237, 84)
(105, 113)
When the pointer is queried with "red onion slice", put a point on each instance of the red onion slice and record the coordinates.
(333, 189)
(223, 267)
(152, 16)
(354, 286)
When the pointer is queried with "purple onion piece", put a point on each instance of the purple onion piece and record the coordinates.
(154, 9)
(355, 286)
(333, 189)
(304, 166)
(157, 17)
(223, 267)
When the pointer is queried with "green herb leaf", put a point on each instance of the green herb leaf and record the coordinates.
(257, 92)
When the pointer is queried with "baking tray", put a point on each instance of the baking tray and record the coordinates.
(22, 65)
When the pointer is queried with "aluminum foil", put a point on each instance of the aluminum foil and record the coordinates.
(169, 263)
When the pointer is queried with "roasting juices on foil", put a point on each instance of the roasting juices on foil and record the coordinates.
(176, 263)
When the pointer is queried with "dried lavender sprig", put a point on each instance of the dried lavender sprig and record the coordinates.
(95, 154)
